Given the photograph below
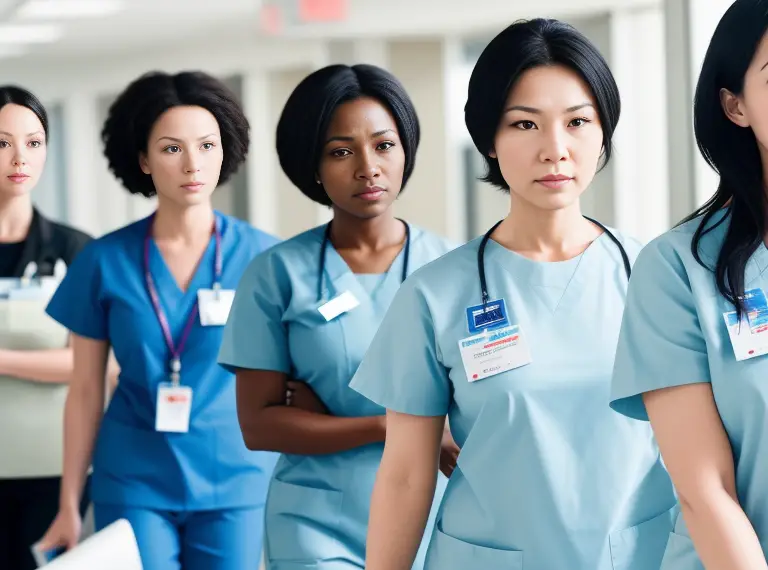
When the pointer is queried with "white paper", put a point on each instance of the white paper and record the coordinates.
(214, 307)
(338, 306)
(488, 354)
(113, 548)
(174, 406)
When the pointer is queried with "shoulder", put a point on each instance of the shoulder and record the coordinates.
(290, 255)
(244, 233)
(66, 240)
(454, 263)
(432, 244)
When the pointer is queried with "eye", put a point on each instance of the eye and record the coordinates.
(35, 144)
(579, 122)
(4, 144)
(524, 125)
(385, 145)
(340, 152)
(172, 149)
(208, 146)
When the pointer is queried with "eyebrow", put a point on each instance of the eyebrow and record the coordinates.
(538, 111)
(350, 139)
(29, 135)
(179, 140)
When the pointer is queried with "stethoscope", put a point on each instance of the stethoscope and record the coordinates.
(487, 236)
(324, 249)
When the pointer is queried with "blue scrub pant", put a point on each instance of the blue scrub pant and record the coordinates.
(228, 539)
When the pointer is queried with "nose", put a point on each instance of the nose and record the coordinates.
(18, 159)
(368, 167)
(191, 164)
(554, 148)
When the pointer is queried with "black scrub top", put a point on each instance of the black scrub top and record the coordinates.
(46, 243)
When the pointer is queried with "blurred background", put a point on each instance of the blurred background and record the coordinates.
(76, 55)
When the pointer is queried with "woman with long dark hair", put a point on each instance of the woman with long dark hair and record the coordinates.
(691, 354)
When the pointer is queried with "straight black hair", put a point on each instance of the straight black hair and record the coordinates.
(523, 46)
(732, 151)
(20, 96)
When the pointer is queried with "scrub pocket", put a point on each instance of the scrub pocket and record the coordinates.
(301, 525)
(642, 546)
(447, 552)
(680, 554)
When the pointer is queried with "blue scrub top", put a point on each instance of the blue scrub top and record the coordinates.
(548, 475)
(318, 505)
(104, 297)
(674, 334)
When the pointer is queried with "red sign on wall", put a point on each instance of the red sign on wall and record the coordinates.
(323, 10)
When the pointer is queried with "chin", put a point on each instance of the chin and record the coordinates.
(16, 190)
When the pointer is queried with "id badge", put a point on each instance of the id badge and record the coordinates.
(174, 406)
(214, 306)
(492, 315)
(749, 336)
(338, 306)
(492, 353)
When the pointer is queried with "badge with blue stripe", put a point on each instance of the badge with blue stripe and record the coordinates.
(492, 315)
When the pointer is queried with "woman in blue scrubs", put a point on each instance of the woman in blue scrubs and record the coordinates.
(512, 336)
(692, 351)
(168, 452)
(307, 309)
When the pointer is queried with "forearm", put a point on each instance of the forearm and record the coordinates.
(82, 416)
(292, 430)
(49, 366)
(399, 511)
(722, 534)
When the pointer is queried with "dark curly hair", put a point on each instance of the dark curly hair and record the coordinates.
(523, 46)
(134, 113)
(307, 115)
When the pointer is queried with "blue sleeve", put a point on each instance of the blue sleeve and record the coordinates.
(402, 369)
(78, 303)
(661, 343)
(255, 336)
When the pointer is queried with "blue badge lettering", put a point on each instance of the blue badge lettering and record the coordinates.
(489, 317)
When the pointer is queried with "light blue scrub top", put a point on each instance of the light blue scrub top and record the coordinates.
(104, 297)
(674, 334)
(318, 505)
(548, 477)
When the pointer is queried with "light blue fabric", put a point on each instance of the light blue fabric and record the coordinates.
(317, 509)
(673, 334)
(222, 539)
(104, 296)
(549, 477)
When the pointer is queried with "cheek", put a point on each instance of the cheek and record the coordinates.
(757, 114)
(515, 157)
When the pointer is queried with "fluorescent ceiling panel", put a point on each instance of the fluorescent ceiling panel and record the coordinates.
(28, 34)
(67, 9)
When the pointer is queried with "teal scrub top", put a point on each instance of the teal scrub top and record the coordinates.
(318, 505)
(104, 297)
(674, 333)
(548, 476)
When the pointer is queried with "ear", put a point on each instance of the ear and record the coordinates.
(733, 108)
(492, 153)
(143, 164)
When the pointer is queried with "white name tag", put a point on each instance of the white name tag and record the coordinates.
(174, 406)
(214, 306)
(488, 354)
(338, 306)
(749, 337)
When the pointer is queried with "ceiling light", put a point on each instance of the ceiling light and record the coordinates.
(68, 9)
(28, 34)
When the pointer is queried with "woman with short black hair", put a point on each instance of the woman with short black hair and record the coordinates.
(692, 352)
(512, 337)
(306, 310)
(35, 356)
(169, 457)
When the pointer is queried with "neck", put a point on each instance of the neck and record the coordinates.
(15, 218)
(189, 224)
(350, 232)
(545, 233)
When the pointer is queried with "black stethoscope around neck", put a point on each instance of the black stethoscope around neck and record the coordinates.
(487, 236)
(327, 241)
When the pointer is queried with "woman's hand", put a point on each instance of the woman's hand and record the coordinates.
(449, 453)
(300, 395)
(64, 531)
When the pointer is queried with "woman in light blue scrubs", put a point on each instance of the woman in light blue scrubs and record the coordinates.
(513, 336)
(307, 309)
(694, 339)
(168, 454)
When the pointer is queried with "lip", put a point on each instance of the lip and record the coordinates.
(371, 194)
(554, 181)
(18, 178)
(193, 186)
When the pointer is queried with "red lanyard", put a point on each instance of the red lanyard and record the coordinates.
(177, 349)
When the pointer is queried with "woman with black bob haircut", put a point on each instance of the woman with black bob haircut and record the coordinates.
(35, 352)
(512, 336)
(347, 138)
(168, 454)
(692, 350)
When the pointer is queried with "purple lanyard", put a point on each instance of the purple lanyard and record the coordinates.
(174, 349)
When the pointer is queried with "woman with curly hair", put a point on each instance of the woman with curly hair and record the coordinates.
(169, 456)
